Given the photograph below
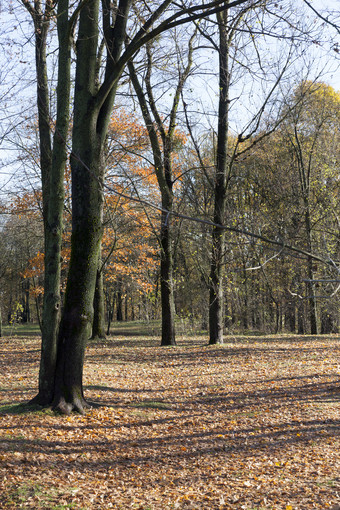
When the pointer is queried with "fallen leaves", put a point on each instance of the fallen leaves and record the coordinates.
(247, 425)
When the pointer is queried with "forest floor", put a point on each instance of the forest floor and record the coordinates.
(253, 425)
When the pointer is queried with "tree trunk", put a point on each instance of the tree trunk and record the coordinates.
(110, 305)
(310, 273)
(126, 307)
(47, 361)
(26, 314)
(119, 301)
(167, 284)
(98, 326)
(218, 233)
(52, 171)
(87, 171)
(163, 170)
(75, 329)
(132, 308)
(244, 301)
(167, 292)
(92, 112)
(216, 291)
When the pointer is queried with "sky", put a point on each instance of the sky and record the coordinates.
(319, 61)
(17, 88)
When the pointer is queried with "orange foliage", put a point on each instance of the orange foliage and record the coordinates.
(130, 169)
(28, 204)
(134, 257)
(35, 266)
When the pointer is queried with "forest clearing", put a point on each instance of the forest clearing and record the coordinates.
(252, 424)
(169, 176)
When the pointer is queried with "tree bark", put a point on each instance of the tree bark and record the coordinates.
(75, 329)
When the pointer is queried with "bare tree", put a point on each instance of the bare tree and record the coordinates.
(162, 134)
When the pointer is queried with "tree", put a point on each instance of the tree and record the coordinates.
(96, 82)
(221, 181)
(52, 164)
(162, 140)
(310, 128)
(229, 47)
(93, 103)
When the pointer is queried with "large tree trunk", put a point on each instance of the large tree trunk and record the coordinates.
(92, 112)
(87, 205)
(75, 329)
(216, 307)
(52, 172)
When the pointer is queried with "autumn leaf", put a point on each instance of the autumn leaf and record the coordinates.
(190, 449)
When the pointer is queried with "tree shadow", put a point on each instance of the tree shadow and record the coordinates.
(167, 447)
(208, 353)
(21, 408)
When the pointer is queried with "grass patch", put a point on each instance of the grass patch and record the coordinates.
(43, 497)
(24, 409)
(21, 330)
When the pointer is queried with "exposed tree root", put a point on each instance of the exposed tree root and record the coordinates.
(40, 400)
(77, 405)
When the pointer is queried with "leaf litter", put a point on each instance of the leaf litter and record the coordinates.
(252, 424)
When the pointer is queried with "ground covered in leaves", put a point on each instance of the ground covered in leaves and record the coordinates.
(253, 424)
